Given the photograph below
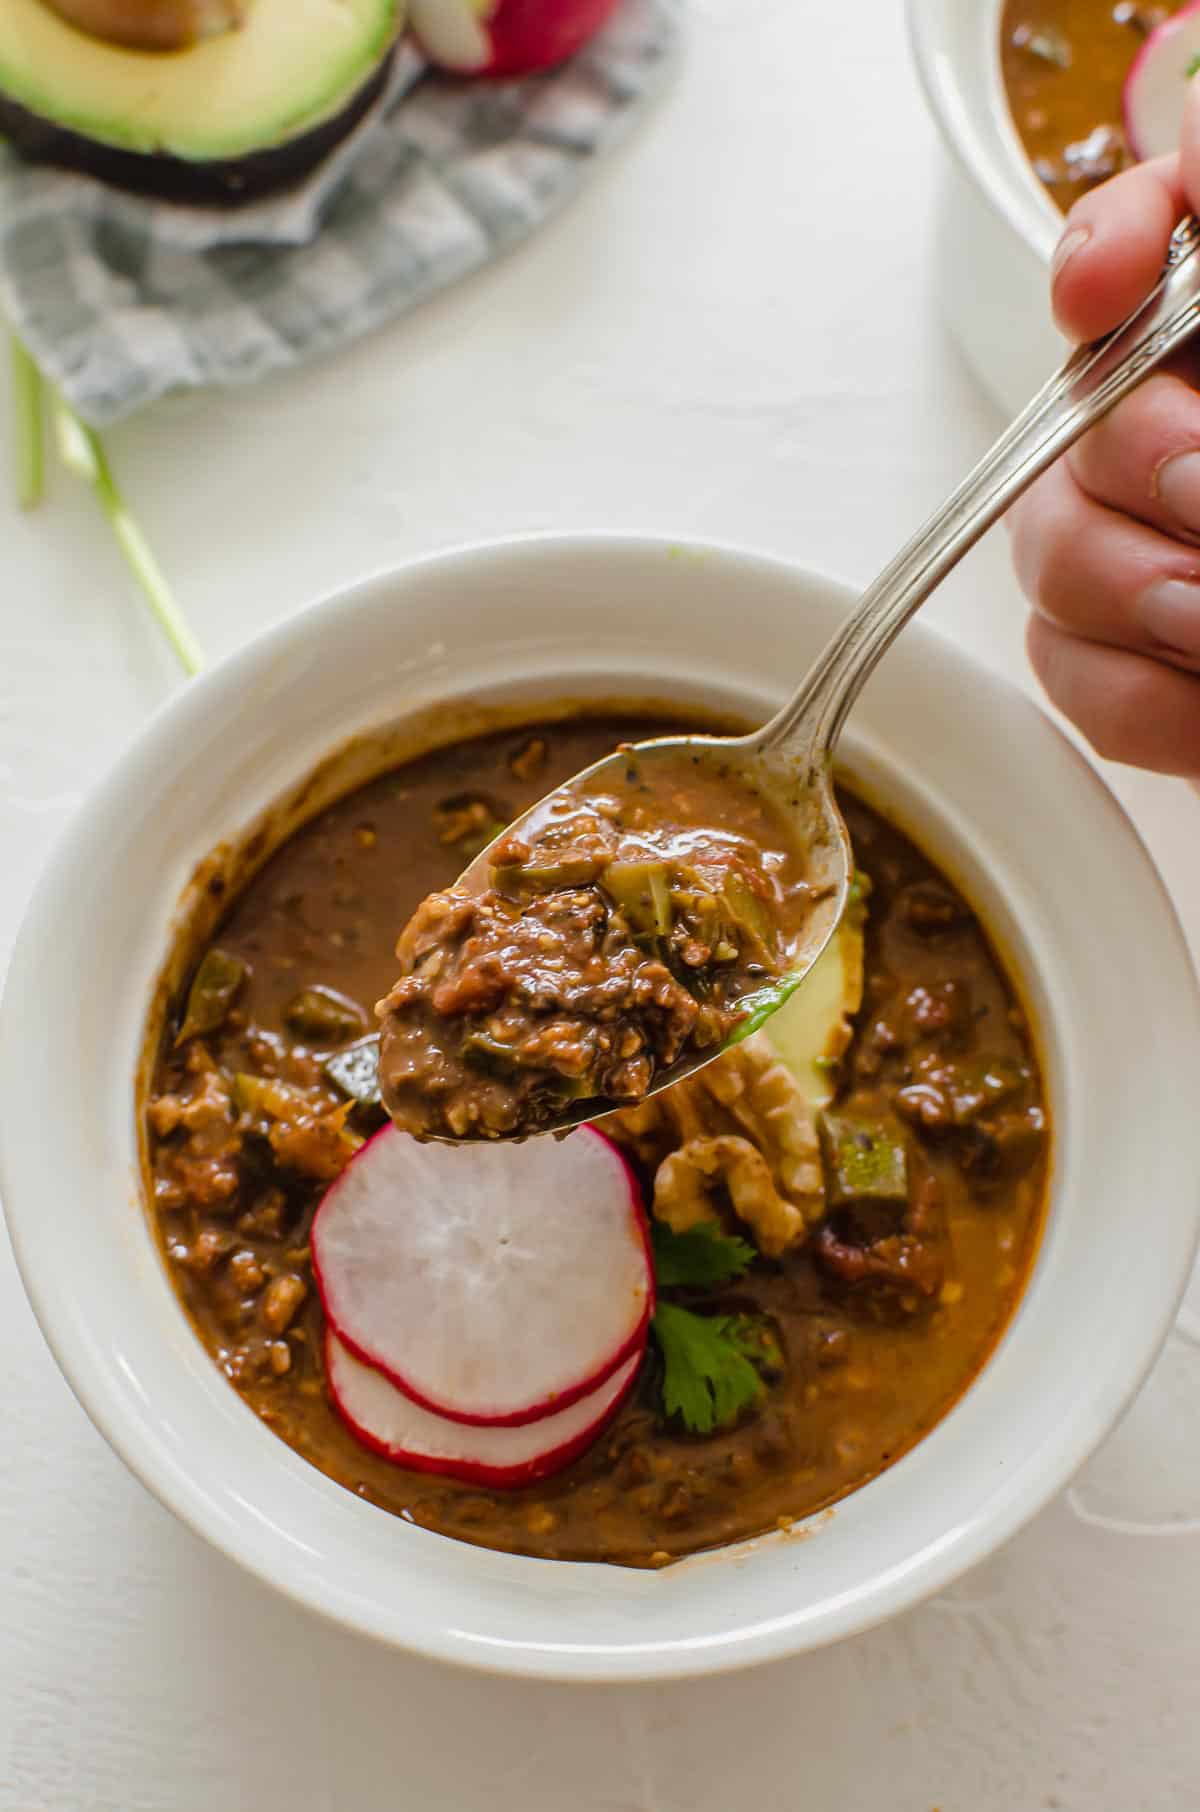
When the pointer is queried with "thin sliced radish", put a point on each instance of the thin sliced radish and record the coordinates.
(1155, 91)
(493, 1283)
(390, 1423)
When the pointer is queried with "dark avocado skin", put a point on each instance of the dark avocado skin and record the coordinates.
(222, 183)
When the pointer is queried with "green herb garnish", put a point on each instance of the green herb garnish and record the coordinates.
(1193, 67)
(82, 452)
(701, 1256)
(711, 1365)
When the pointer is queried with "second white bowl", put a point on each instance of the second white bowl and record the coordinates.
(998, 227)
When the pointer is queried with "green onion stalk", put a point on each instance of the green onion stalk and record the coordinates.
(82, 452)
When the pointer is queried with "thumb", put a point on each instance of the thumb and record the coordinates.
(1114, 242)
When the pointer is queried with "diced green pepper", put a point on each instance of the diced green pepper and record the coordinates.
(323, 1016)
(492, 1052)
(356, 1071)
(573, 870)
(642, 892)
(865, 1161)
(214, 989)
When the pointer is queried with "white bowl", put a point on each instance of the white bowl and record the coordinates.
(998, 227)
(993, 790)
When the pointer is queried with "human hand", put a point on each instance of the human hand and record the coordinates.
(1107, 544)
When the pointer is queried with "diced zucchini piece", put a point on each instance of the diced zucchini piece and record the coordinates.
(865, 1161)
(642, 891)
(356, 1071)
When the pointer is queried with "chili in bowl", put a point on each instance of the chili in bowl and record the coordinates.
(845, 1206)
(821, 1382)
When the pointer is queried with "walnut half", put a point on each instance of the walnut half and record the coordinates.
(743, 1125)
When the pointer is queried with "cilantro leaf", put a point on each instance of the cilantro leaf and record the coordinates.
(702, 1255)
(708, 1377)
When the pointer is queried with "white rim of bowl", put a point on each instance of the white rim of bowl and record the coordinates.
(970, 107)
(138, 1447)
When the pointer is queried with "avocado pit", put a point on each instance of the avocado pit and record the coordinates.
(152, 25)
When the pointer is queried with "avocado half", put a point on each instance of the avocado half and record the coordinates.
(228, 119)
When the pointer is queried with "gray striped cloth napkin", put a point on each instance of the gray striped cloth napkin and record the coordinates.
(121, 299)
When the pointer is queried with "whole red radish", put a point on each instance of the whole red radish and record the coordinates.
(504, 37)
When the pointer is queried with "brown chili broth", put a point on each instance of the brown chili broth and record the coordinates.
(1055, 108)
(863, 1382)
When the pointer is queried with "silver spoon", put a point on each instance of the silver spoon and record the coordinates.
(791, 758)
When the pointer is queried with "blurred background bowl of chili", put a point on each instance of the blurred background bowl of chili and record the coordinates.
(1027, 97)
(965, 762)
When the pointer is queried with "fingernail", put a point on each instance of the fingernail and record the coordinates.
(1177, 487)
(1169, 612)
(1067, 247)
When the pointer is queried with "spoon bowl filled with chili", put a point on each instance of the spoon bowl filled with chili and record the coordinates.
(767, 1357)
(634, 923)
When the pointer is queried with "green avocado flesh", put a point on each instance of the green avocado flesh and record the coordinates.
(292, 66)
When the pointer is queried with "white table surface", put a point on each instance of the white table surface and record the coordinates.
(734, 333)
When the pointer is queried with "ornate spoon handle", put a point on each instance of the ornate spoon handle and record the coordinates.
(1087, 386)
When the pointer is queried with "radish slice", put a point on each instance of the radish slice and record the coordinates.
(1155, 91)
(390, 1423)
(493, 1283)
